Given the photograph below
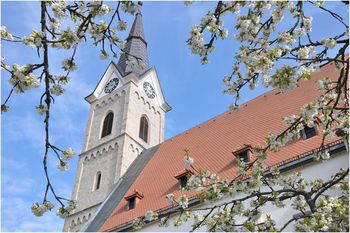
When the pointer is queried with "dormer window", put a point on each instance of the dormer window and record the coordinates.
(182, 177)
(183, 181)
(133, 199)
(244, 153)
(244, 156)
(131, 203)
(308, 132)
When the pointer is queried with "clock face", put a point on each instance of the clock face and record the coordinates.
(111, 85)
(147, 87)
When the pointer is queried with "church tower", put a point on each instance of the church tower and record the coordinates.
(127, 115)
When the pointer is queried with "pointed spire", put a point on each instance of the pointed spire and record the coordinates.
(136, 46)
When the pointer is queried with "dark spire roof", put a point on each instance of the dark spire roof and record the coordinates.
(136, 46)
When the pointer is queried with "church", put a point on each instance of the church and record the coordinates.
(126, 168)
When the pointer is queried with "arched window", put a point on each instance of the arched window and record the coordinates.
(97, 180)
(143, 128)
(107, 125)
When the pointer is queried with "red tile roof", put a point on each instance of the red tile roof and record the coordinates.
(213, 142)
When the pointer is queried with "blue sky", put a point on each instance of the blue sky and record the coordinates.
(193, 90)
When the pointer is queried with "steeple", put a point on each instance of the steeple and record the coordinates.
(136, 46)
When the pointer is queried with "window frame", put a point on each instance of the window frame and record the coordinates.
(303, 132)
(131, 203)
(133, 198)
(245, 151)
(183, 180)
(144, 128)
(97, 182)
(107, 124)
(244, 156)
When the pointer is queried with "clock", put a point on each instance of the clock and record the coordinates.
(147, 87)
(111, 85)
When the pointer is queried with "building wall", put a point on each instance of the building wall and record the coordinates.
(313, 170)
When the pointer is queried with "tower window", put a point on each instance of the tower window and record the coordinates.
(107, 125)
(308, 132)
(97, 180)
(143, 128)
(131, 203)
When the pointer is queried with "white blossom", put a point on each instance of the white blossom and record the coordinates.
(68, 64)
(62, 213)
(150, 215)
(63, 166)
(22, 79)
(308, 112)
(170, 198)
(183, 201)
(307, 21)
(103, 54)
(68, 154)
(188, 160)
(129, 7)
(329, 43)
(304, 52)
(104, 9)
(5, 34)
(138, 223)
(54, 24)
(38, 209)
(59, 9)
(56, 89)
(299, 32)
(41, 109)
(195, 183)
(62, 79)
(69, 38)
(285, 37)
(122, 25)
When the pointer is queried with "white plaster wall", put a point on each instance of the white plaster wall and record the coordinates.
(323, 170)
(115, 102)
(139, 105)
(74, 222)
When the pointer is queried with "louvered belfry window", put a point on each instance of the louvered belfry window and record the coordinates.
(144, 129)
(107, 125)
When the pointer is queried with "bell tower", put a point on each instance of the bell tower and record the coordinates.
(127, 115)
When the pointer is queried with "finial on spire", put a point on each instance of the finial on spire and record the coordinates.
(139, 5)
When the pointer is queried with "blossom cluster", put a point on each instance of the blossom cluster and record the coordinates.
(66, 156)
(5, 34)
(64, 212)
(22, 79)
(39, 209)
